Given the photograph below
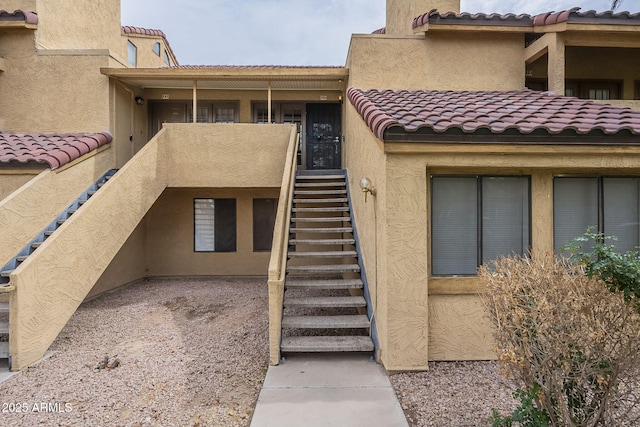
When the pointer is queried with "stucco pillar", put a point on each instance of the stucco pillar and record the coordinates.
(245, 111)
(542, 212)
(556, 67)
(405, 293)
(400, 13)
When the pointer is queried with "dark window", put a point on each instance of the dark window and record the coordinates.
(264, 219)
(476, 219)
(594, 89)
(156, 48)
(214, 225)
(609, 205)
(167, 60)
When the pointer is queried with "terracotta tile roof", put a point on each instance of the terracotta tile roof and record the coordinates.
(510, 19)
(505, 113)
(382, 30)
(54, 150)
(524, 20)
(588, 17)
(19, 15)
(130, 30)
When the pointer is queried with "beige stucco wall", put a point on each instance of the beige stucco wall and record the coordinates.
(227, 155)
(78, 25)
(400, 13)
(9, 182)
(127, 266)
(364, 157)
(146, 57)
(444, 61)
(53, 281)
(170, 235)
(27, 212)
(46, 92)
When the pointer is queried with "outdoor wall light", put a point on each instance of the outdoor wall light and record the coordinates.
(367, 187)
(139, 100)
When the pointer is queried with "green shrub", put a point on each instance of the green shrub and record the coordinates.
(620, 271)
(571, 344)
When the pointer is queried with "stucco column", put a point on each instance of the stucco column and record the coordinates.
(542, 212)
(405, 283)
(556, 66)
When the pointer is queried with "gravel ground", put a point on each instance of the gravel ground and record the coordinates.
(180, 352)
(194, 352)
(460, 394)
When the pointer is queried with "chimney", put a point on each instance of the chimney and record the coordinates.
(400, 13)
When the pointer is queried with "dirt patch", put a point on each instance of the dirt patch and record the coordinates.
(191, 352)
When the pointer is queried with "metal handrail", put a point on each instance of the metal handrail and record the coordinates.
(279, 249)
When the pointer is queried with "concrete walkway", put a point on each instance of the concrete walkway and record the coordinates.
(328, 390)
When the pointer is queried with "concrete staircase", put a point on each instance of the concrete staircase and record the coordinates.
(32, 246)
(324, 304)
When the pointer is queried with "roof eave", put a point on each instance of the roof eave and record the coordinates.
(229, 73)
(563, 138)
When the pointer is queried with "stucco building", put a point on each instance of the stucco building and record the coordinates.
(479, 135)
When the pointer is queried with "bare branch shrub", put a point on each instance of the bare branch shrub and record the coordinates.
(566, 336)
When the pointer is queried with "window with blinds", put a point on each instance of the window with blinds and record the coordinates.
(608, 205)
(214, 225)
(476, 219)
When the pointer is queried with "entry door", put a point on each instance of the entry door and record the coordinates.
(323, 136)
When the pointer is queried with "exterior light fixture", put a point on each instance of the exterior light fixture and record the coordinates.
(139, 100)
(367, 187)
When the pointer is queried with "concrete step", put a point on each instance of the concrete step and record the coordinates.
(329, 268)
(36, 245)
(322, 230)
(326, 322)
(318, 192)
(4, 307)
(320, 177)
(6, 273)
(322, 241)
(323, 302)
(327, 209)
(323, 219)
(322, 200)
(326, 344)
(320, 184)
(327, 254)
(324, 284)
(4, 350)
(22, 258)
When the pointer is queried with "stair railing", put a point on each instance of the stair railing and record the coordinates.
(279, 249)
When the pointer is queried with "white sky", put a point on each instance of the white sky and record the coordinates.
(292, 32)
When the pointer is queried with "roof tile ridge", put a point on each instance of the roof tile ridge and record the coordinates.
(377, 120)
(29, 17)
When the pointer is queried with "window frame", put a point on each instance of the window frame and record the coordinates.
(600, 201)
(215, 220)
(479, 220)
(132, 54)
(157, 48)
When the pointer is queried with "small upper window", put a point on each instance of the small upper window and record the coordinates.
(132, 54)
(167, 60)
(156, 48)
